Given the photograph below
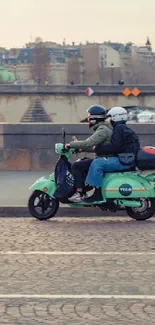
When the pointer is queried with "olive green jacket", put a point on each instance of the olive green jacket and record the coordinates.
(102, 134)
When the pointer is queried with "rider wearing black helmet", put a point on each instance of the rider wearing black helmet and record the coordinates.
(102, 134)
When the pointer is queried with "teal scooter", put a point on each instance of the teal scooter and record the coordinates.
(129, 190)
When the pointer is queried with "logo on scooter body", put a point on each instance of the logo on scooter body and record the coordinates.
(125, 189)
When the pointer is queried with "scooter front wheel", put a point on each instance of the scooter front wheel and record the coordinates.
(41, 206)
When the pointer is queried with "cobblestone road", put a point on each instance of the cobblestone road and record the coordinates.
(69, 268)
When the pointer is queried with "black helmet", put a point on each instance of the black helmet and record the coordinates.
(96, 114)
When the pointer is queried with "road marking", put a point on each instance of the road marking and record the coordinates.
(85, 296)
(79, 253)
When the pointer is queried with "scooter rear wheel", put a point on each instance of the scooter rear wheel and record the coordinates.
(41, 206)
(143, 213)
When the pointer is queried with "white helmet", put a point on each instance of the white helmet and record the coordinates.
(118, 114)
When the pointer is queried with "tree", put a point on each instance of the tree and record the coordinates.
(40, 62)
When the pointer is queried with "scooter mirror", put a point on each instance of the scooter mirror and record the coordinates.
(63, 135)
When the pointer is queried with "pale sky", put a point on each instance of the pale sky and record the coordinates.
(76, 20)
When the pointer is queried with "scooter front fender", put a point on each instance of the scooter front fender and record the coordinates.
(45, 185)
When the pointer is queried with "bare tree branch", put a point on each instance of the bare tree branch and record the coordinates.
(40, 63)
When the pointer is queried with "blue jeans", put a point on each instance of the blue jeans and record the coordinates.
(101, 165)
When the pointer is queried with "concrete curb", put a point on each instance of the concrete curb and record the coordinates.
(22, 211)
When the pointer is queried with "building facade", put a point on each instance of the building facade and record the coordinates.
(91, 63)
(108, 57)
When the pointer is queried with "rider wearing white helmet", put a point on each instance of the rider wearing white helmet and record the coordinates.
(123, 148)
(118, 114)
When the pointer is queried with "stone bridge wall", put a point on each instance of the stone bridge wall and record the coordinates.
(31, 146)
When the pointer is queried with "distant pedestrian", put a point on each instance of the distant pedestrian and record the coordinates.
(121, 82)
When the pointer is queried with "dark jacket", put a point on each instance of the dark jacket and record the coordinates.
(123, 140)
(102, 134)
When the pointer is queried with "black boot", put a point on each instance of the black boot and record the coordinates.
(96, 197)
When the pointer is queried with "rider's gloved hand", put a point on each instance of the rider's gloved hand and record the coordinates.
(74, 138)
(67, 146)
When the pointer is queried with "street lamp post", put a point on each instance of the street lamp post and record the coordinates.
(84, 76)
(82, 70)
(112, 74)
(15, 71)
